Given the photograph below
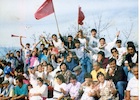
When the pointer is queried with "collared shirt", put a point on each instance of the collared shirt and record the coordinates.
(94, 73)
(74, 89)
(79, 52)
(9, 91)
(21, 90)
(133, 87)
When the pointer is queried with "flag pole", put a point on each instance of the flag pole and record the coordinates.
(56, 19)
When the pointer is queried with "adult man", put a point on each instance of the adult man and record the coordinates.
(79, 74)
(21, 90)
(93, 41)
(132, 56)
(96, 70)
(117, 75)
(132, 90)
(8, 90)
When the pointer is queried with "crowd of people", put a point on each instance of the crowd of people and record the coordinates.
(75, 68)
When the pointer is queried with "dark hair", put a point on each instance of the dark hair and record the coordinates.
(93, 30)
(70, 36)
(113, 49)
(119, 41)
(63, 64)
(30, 85)
(76, 41)
(102, 39)
(19, 78)
(50, 66)
(42, 44)
(28, 44)
(87, 75)
(100, 73)
(4, 62)
(40, 79)
(132, 46)
(45, 49)
(61, 77)
(130, 43)
(111, 60)
(54, 35)
(101, 53)
(17, 51)
(72, 76)
(8, 64)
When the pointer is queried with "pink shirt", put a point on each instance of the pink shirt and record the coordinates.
(32, 60)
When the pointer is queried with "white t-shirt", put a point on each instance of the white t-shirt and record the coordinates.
(133, 86)
(82, 41)
(39, 74)
(58, 45)
(43, 90)
(33, 80)
(10, 79)
(57, 92)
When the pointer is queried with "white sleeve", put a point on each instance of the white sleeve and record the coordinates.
(128, 88)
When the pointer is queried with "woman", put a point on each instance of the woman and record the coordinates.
(39, 72)
(40, 92)
(106, 89)
(34, 59)
(60, 88)
(81, 38)
(66, 73)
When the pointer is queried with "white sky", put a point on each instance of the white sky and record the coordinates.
(17, 17)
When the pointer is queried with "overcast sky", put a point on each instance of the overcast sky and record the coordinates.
(17, 17)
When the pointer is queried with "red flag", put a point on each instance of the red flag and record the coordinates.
(44, 10)
(81, 17)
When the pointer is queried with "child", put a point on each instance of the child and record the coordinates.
(88, 90)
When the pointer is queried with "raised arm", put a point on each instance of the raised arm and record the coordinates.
(21, 42)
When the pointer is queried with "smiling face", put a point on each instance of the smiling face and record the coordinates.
(101, 78)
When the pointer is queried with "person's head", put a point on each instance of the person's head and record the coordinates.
(63, 67)
(77, 70)
(96, 66)
(93, 32)
(118, 43)
(102, 41)
(70, 38)
(60, 79)
(19, 71)
(7, 75)
(19, 80)
(27, 45)
(131, 49)
(68, 58)
(88, 77)
(5, 83)
(135, 71)
(34, 54)
(114, 51)
(130, 43)
(101, 77)
(7, 55)
(35, 50)
(39, 81)
(73, 79)
(50, 68)
(112, 63)
(77, 43)
(8, 63)
(126, 63)
(32, 70)
(29, 86)
(80, 34)
(17, 53)
(54, 37)
(4, 63)
(39, 67)
(11, 54)
(42, 46)
(45, 50)
(101, 54)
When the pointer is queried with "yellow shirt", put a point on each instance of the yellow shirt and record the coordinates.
(94, 73)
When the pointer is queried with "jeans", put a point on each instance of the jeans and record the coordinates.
(121, 86)
(86, 64)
